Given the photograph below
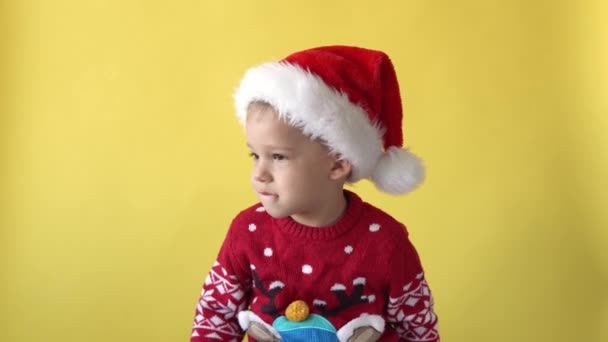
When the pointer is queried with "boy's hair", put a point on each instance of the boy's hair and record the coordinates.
(349, 98)
(259, 106)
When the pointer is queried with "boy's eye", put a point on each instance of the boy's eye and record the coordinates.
(277, 156)
(254, 156)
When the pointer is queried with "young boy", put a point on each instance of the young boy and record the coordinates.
(313, 262)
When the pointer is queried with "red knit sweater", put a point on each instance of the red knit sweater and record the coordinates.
(363, 264)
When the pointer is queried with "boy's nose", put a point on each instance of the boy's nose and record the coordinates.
(260, 173)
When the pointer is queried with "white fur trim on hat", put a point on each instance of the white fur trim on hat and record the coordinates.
(305, 101)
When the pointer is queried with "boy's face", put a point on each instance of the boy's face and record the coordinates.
(291, 172)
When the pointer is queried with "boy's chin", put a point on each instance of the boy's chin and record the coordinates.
(277, 214)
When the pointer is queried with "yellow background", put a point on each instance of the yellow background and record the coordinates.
(122, 163)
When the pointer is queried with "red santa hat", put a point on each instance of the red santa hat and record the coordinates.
(346, 96)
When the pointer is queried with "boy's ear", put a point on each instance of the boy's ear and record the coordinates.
(340, 169)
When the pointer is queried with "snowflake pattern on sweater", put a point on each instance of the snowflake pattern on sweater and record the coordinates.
(364, 264)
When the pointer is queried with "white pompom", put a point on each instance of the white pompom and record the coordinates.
(398, 171)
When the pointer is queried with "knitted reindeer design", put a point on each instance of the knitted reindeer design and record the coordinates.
(299, 324)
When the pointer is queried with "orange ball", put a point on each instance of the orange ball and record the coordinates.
(297, 311)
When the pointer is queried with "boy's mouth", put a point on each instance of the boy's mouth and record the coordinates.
(267, 195)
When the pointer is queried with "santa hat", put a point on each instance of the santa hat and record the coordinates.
(349, 98)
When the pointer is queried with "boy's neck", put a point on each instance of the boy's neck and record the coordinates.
(328, 214)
